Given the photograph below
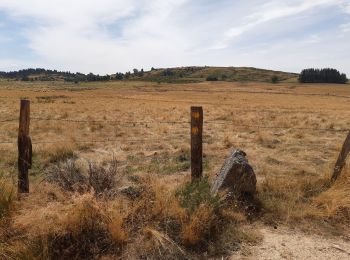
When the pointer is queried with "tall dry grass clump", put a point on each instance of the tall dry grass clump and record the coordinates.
(6, 196)
(314, 201)
(288, 199)
(186, 219)
(6, 203)
(90, 211)
(198, 226)
(80, 227)
(334, 203)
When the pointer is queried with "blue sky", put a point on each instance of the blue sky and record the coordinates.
(107, 36)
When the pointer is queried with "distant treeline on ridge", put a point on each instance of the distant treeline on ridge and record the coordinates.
(322, 76)
(182, 75)
(49, 75)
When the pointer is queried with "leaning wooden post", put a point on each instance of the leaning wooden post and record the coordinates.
(24, 147)
(341, 159)
(196, 143)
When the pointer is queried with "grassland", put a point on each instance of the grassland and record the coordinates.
(230, 74)
(289, 131)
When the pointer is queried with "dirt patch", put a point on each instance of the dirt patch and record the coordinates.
(283, 243)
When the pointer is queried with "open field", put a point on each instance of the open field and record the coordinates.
(291, 133)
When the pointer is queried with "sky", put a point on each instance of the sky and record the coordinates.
(109, 36)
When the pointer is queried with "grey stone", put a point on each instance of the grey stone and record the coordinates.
(236, 175)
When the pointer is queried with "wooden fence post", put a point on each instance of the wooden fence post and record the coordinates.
(196, 143)
(341, 159)
(24, 147)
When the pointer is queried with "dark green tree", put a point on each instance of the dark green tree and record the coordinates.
(327, 75)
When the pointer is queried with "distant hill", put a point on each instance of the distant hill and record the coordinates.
(197, 74)
(171, 75)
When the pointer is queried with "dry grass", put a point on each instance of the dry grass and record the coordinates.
(198, 227)
(61, 153)
(76, 228)
(312, 204)
(334, 203)
(6, 196)
(138, 210)
(173, 223)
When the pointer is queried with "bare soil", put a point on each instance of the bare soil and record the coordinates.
(284, 243)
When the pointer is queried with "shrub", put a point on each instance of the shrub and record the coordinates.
(101, 178)
(193, 195)
(212, 78)
(168, 73)
(68, 176)
(274, 79)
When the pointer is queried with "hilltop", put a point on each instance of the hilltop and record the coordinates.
(198, 74)
(170, 75)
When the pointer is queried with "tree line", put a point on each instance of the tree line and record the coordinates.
(327, 75)
(51, 75)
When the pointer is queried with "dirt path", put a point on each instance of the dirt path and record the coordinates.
(282, 243)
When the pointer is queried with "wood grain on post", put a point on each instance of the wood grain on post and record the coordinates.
(341, 159)
(196, 143)
(24, 147)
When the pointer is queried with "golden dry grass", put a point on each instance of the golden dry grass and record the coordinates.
(145, 127)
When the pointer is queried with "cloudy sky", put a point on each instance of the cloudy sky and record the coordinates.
(107, 36)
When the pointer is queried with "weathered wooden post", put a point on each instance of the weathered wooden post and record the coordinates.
(24, 147)
(196, 143)
(341, 158)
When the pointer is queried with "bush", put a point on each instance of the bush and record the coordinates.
(193, 195)
(102, 179)
(212, 78)
(274, 79)
(168, 73)
(68, 176)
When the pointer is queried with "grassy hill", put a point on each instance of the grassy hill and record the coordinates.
(198, 74)
(170, 75)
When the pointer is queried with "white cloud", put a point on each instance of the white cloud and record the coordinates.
(270, 11)
(5, 39)
(73, 34)
(106, 36)
(312, 39)
(347, 8)
(14, 64)
(345, 27)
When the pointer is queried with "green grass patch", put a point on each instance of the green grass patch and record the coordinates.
(192, 195)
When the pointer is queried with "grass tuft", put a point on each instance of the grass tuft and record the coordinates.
(193, 195)
(6, 197)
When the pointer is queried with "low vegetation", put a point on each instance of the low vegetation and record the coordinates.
(168, 75)
(6, 197)
(81, 211)
(199, 74)
(113, 178)
(78, 217)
